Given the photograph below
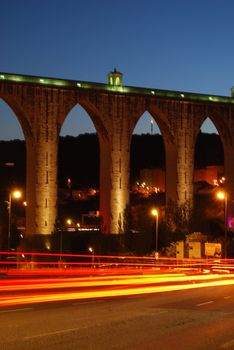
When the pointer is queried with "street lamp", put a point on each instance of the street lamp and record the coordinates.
(69, 222)
(12, 195)
(91, 250)
(222, 195)
(154, 212)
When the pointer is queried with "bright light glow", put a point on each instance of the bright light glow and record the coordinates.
(221, 195)
(17, 194)
(27, 291)
(69, 221)
(154, 212)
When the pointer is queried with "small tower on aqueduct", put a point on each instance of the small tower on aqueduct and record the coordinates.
(115, 78)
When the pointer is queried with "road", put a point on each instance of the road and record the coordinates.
(198, 319)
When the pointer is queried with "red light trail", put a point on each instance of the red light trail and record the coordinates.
(129, 276)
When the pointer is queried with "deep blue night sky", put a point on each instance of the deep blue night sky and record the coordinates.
(174, 45)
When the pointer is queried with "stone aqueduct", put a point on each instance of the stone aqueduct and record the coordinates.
(42, 104)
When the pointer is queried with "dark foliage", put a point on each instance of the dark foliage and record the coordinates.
(12, 163)
(147, 151)
(78, 158)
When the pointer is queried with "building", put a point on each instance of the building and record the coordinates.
(155, 178)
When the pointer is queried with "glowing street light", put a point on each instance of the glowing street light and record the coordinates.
(12, 195)
(154, 212)
(69, 222)
(222, 195)
(91, 250)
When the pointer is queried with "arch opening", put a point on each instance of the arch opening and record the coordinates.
(13, 177)
(209, 157)
(78, 178)
(208, 178)
(147, 180)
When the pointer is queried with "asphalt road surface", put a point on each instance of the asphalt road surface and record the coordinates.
(186, 320)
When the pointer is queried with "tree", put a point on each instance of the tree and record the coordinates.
(178, 217)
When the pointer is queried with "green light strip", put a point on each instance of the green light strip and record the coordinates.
(110, 88)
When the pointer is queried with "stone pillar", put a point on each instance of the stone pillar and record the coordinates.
(185, 159)
(42, 174)
(119, 195)
(115, 168)
(114, 187)
(46, 187)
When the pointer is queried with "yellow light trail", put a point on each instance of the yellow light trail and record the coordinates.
(130, 286)
(56, 283)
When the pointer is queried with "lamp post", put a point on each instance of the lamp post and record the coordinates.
(69, 222)
(222, 195)
(12, 194)
(154, 212)
(91, 250)
(61, 244)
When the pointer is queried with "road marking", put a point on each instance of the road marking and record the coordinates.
(16, 310)
(53, 333)
(227, 345)
(227, 297)
(206, 303)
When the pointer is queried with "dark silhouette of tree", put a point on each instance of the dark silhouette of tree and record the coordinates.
(78, 158)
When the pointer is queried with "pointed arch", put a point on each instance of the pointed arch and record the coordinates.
(79, 135)
(209, 154)
(13, 169)
(215, 122)
(146, 124)
(10, 126)
(149, 141)
(160, 120)
(13, 110)
(208, 126)
(78, 165)
(92, 113)
(14, 127)
(147, 167)
(72, 124)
